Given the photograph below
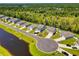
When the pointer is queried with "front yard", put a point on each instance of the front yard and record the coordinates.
(69, 41)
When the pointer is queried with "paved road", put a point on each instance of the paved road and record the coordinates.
(18, 30)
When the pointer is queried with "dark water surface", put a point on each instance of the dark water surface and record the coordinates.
(13, 44)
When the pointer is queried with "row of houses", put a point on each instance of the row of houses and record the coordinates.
(18, 22)
(40, 27)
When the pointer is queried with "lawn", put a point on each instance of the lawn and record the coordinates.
(57, 35)
(70, 41)
(43, 34)
(4, 52)
(35, 52)
(77, 35)
(72, 51)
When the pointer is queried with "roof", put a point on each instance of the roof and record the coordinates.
(67, 34)
(25, 24)
(40, 26)
(6, 18)
(51, 29)
(20, 23)
(2, 16)
(31, 26)
(47, 45)
(13, 20)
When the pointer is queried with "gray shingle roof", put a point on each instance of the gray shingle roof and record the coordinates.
(13, 20)
(40, 27)
(67, 34)
(51, 29)
(20, 23)
(25, 24)
(31, 27)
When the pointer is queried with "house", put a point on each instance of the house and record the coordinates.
(1, 16)
(67, 34)
(31, 27)
(20, 23)
(51, 29)
(6, 18)
(24, 25)
(13, 20)
(40, 28)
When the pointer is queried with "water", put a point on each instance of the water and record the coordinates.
(13, 44)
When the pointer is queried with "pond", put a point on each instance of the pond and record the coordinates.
(14, 45)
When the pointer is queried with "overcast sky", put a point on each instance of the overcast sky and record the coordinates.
(39, 1)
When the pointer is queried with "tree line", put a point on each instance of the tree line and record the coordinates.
(63, 18)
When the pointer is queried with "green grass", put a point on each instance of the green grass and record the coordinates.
(70, 41)
(72, 51)
(77, 35)
(18, 34)
(43, 34)
(57, 35)
(35, 52)
(32, 31)
(4, 52)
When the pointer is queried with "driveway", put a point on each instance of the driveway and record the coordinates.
(59, 39)
(49, 35)
(60, 50)
(64, 46)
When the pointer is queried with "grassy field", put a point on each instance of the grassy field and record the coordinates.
(34, 51)
(75, 52)
(4, 52)
(70, 41)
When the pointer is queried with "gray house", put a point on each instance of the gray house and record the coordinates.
(20, 23)
(13, 20)
(31, 27)
(51, 29)
(6, 18)
(1, 16)
(40, 28)
(24, 25)
(67, 34)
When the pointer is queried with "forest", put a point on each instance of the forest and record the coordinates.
(63, 16)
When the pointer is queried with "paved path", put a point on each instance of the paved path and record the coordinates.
(49, 35)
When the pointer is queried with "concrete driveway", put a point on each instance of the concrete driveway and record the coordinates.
(64, 46)
(49, 35)
(59, 39)
(60, 50)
